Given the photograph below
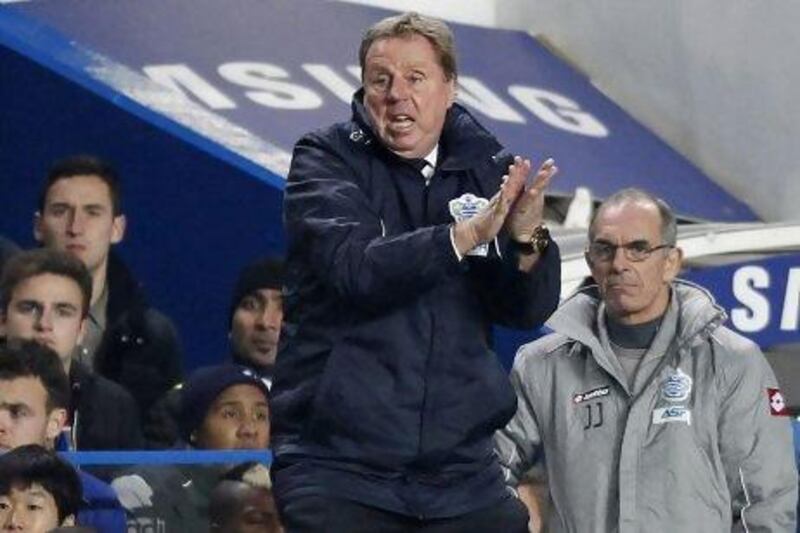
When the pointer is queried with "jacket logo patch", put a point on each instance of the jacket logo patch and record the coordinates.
(673, 413)
(777, 404)
(591, 395)
(465, 207)
(676, 387)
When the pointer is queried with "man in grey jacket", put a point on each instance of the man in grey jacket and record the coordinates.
(645, 412)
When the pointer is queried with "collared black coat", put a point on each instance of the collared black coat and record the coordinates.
(140, 348)
(386, 388)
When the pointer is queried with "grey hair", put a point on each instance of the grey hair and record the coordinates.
(669, 225)
(407, 25)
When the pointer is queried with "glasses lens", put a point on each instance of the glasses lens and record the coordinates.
(638, 250)
(601, 251)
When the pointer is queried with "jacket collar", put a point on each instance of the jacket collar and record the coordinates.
(464, 142)
(698, 314)
(124, 292)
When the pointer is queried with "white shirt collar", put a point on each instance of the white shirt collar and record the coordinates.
(433, 156)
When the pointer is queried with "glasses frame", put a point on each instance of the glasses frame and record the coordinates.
(627, 249)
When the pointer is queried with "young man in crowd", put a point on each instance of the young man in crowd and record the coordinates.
(126, 340)
(44, 296)
(34, 398)
(223, 407)
(647, 413)
(39, 491)
(256, 316)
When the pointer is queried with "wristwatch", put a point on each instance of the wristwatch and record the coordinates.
(540, 239)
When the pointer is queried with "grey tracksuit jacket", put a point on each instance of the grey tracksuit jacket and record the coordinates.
(693, 445)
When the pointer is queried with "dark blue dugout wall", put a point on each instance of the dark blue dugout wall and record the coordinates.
(196, 213)
(203, 181)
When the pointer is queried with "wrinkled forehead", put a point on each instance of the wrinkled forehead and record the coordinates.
(626, 222)
(406, 51)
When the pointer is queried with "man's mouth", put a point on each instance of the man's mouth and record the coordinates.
(46, 341)
(264, 345)
(401, 122)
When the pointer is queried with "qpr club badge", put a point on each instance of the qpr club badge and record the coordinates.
(676, 387)
(465, 207)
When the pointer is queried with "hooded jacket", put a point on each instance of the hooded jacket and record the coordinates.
(386, 389)
(693, 445)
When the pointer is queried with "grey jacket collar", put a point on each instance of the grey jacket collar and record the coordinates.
(691, 317)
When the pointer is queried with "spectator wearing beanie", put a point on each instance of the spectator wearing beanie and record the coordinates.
(254, 322)
(256, 314)
(222, 407)
(225, 407)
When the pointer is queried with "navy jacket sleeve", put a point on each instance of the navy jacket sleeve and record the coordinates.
(329, 215)
(519, 299)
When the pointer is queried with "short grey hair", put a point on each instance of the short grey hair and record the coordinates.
(408, 25)
(669, 225)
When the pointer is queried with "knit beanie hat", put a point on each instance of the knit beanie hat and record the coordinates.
(265, 273)
(203, 387)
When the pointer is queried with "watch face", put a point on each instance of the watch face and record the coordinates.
(540, 238)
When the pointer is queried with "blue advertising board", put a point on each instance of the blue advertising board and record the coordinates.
(279, 69)
(199, 102)
(761, 297)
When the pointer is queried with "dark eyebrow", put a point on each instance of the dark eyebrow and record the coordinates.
(230, 403)
(14, 405)
(66, 305)
(59, 204)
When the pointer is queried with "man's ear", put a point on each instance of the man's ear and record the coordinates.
(118, 228)
(453, 92)
(56, 420)
(82, 332)
(37, 227)
(69, 521)
(673, 264)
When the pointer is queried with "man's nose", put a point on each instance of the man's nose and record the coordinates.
(249, 428)
(399, 89)
(75, 223)
(270, 318)
(619, 261)
(44, 320)
(14, 520)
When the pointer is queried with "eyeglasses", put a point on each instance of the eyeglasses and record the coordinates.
(635, 251)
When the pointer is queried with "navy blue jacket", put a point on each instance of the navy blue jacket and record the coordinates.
(386, 390)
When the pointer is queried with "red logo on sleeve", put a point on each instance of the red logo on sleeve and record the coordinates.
(777, 405)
